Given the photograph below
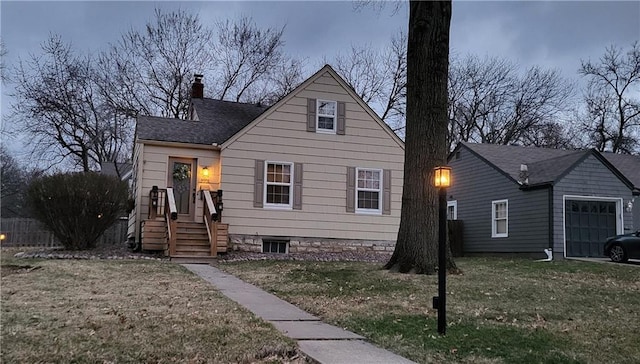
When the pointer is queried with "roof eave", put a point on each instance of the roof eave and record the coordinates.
(164, 143)
(536, 186)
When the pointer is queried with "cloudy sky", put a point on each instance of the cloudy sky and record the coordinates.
(552, 34)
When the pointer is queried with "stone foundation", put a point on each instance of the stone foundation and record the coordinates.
(253, 243)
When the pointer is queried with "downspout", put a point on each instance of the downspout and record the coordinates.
(551, 224)
(549, 250)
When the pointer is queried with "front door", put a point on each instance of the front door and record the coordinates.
(183, 181)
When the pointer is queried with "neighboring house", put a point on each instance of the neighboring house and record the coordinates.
(515, 199)
(122, 170)
(316, 171)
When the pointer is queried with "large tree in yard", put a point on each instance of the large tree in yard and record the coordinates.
(426, 133)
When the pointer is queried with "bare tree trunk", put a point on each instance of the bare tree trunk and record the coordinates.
(426, 131)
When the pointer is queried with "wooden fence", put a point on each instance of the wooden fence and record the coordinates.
(31, 233)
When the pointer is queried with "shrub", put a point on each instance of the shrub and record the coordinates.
(77, 207)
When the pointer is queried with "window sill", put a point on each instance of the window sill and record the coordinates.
(277, 207)
(368, 212)
(325, 131)
(500, 236)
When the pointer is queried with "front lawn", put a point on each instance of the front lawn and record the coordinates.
(499, 310)
(99, 311)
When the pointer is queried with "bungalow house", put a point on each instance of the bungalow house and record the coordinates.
(514, 199)
(316, 171)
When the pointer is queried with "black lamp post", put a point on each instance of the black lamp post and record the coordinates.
(442, 180)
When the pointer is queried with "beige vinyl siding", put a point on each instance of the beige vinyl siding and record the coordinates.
(134, 215)
(282, 136)
(152, 167)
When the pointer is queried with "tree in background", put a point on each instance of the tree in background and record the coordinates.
(379, 77)
(15, 178)
(3, 64)
(61, 108)
(489, 102)
(150, 72)
(612, 98)
(426, 133)
(77, 207)
(247, 59)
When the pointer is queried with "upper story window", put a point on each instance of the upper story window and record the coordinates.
(278, 184)
(369, 190)
(326, 115)
(500, 219)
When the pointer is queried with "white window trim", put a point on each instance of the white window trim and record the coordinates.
(380, 190)
(453, 203)
(277, 206)
(318, 115)
(494, 233)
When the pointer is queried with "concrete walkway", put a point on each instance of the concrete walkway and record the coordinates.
(322, 342)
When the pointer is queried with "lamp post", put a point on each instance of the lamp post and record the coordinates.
(442, 180)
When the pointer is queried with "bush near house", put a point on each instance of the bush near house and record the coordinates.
(77, 207)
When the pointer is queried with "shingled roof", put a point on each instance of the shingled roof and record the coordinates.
(217, 121)
(628, 164)
(547, 165)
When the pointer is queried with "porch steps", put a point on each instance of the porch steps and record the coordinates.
(192, 240)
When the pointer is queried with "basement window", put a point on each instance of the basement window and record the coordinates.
(275, 246)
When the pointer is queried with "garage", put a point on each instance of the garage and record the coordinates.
(587, 225)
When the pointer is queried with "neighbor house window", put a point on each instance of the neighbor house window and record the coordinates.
(326, 115)
(278, 184)
(500, 219)
(369, 190)
(452, 210)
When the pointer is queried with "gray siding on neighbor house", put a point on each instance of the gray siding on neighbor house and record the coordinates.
(589, 179)
(475, 185)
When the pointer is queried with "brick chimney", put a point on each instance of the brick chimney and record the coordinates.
(197, 89)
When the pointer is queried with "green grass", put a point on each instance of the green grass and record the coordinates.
(499, 310)
(81, 311)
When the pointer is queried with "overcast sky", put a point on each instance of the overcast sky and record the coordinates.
(547, 33)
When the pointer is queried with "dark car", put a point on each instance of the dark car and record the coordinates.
(622, 247)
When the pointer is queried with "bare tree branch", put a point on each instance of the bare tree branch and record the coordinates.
(612, 117)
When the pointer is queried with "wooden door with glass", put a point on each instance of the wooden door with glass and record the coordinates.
(182, 178)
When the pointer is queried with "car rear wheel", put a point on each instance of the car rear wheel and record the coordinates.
(617, 254)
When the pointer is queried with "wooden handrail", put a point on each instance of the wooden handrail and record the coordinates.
(171, 217)
(210, 218)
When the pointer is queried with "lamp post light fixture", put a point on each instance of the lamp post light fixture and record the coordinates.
(442, 180)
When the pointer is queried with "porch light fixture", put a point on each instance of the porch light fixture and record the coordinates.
(154, 196)
(205, 172)
(442, 180)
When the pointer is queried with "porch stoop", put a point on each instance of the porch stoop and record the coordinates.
(192, 240)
